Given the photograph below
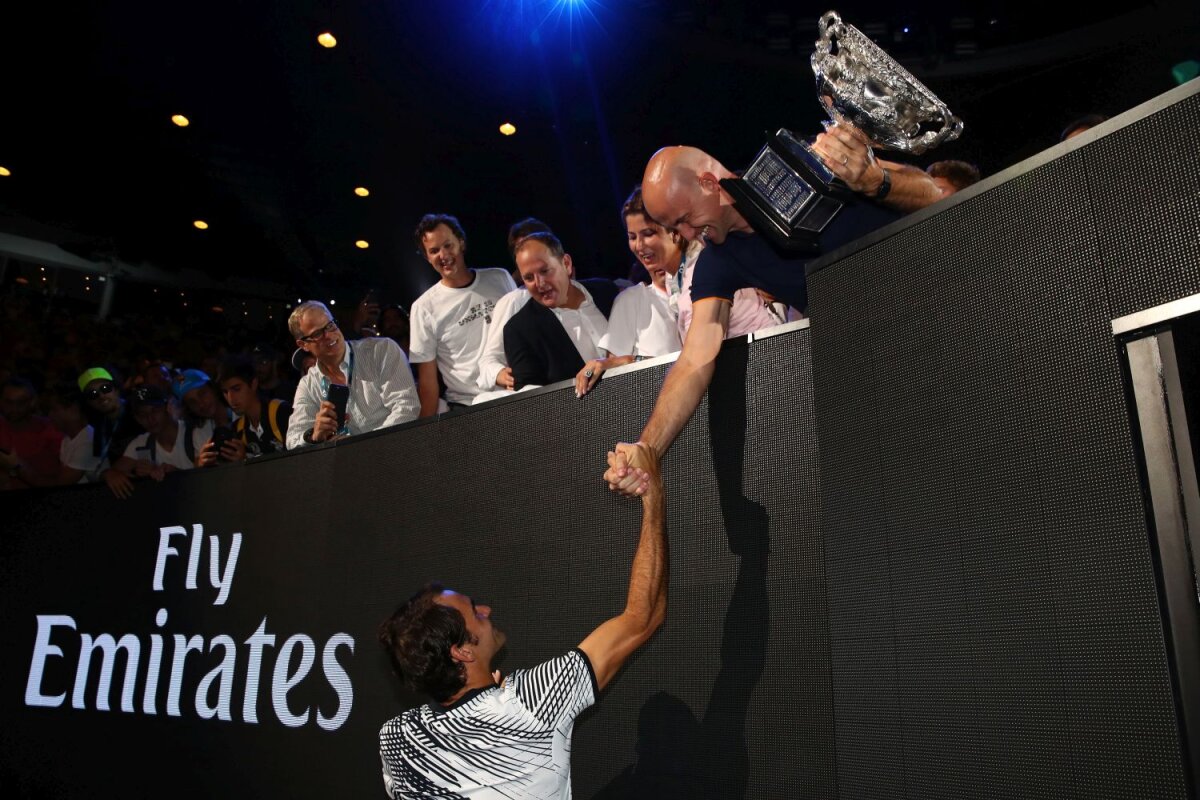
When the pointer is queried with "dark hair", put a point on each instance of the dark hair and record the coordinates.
(634, 205)
(959, 173)
(429, 222)
(545, 237)
(394, 307)
(1082, 124)
(237, 366)
(519, 230)
(418, 638)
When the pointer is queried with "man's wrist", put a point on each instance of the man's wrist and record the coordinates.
(310, 436)
(885, 184)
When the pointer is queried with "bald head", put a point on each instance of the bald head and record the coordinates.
(681, 190)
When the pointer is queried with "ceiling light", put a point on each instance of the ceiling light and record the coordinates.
(362, 244)
(4, 173)
(181, 120)
(508, 129)
(326, 40)
(361, 191)
(200, 225)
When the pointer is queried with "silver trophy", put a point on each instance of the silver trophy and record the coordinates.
(788, 193)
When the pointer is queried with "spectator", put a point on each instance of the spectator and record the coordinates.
(450, 320)
(682, 189)
(29, 444)
(375, 370)
(113, 425)
(201, 400)
(550, 339)
(270, 380)
(78, 462)
(1081, 125)
(166, 445)
(261, 426)
(494, 372)
(394, 324)
(953, 176)
(643, 323)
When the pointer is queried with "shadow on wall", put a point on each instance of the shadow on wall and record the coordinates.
(678, 755)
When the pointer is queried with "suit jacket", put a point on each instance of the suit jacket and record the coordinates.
(538, 349)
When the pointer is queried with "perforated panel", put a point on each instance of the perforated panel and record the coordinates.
(994, 624)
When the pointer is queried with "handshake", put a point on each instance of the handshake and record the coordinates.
(633, 470)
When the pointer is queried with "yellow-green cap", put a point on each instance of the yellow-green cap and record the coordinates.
(93, 374)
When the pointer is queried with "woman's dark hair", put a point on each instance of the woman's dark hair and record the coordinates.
(418, 638)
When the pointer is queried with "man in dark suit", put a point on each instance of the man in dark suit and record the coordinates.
(550, 338)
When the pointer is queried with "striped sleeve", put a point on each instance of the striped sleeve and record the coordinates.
(558, 689)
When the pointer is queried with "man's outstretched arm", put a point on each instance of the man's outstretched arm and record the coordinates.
(612, 643)
(684, 387)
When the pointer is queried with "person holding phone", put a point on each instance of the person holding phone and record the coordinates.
(369, 378)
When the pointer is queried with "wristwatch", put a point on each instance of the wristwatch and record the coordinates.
(885, 185)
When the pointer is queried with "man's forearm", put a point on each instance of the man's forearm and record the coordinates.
(911, 189)
(648, 580)
(681, 393)
(427, 387)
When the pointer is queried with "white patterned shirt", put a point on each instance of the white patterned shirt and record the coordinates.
(497, 743)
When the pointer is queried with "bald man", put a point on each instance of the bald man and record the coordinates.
(681, 189)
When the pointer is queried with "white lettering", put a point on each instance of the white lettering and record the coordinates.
(183, 646)
(224, 673)
(259, 639)
(108, 646)
(222, 581)
(194, 555)
(42, 649)
(338, 679)
(165, 549)
(283, 682)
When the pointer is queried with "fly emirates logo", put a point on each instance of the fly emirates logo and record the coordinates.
(173, 660)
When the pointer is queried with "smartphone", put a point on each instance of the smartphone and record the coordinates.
(339, 395)
(220, 436)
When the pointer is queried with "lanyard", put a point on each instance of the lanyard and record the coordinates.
(345, 429)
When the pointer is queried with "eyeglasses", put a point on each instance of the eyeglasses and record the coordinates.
(104, 388)
(319, 333)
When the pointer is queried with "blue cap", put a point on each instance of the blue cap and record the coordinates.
(189, 379)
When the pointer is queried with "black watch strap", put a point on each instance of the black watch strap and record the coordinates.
(885, 185)
(308, 436)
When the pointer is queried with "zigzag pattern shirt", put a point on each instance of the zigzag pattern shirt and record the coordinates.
(509, 741)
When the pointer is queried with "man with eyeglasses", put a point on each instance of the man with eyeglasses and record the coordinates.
(382, 392)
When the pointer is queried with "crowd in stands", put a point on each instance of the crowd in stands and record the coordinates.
(118, 402)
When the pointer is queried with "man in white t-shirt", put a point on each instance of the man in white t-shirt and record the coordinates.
(491, 739)
(449, 322)
(78, 460)
(163, 448)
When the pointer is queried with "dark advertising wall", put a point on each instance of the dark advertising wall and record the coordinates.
(995, 623)
(731, 699)
(953, 596)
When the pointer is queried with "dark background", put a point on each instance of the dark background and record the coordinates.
(410, 101)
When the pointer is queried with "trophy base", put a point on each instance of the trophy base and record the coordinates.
(788, 194)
